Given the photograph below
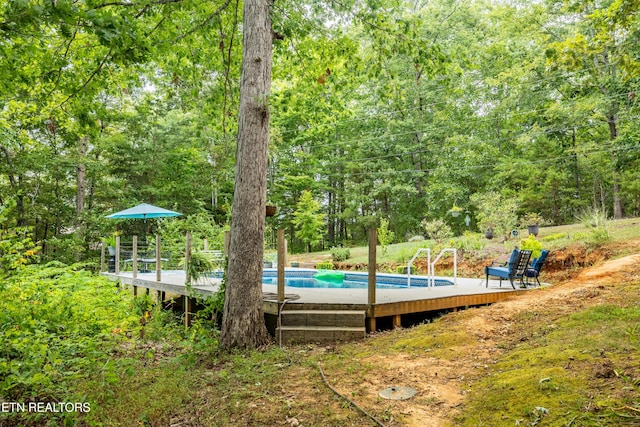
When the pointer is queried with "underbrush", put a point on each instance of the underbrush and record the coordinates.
(69, 336)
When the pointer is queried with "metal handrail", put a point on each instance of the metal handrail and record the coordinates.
(432, 276)
(428, 251)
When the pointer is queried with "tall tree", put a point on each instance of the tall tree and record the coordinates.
(309, 220)
(243, 319)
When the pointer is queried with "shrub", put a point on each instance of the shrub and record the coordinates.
(199, 265)
(437, 229)
(469, 241)
(531, 219)
(495, 212)
(532, 244)
(328, 265)
(593, 217)
(340, 254)
(59, 324)
(595, 220)
(402, 269)
(554, 236)
(416, 238)
(385, 236)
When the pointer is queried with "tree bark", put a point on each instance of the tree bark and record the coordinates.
(243, 319)
(81, 178)
(618, 209)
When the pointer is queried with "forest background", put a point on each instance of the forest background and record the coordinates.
(401, 110)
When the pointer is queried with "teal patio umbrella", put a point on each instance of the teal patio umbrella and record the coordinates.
(143, 211)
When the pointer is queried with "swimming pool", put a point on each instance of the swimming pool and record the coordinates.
(304, 278)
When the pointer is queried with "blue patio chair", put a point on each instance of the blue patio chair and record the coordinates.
(514, 269)
(533, 271)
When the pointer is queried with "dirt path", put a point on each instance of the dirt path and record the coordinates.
(442, 383)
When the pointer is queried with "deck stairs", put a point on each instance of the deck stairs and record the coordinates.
(299, 326)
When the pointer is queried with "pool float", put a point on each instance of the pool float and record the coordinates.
(329, 276)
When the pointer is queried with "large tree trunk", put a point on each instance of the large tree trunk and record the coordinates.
(243, 319)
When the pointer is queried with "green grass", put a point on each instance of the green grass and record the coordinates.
(583, 372)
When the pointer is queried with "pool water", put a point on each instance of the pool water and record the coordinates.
(315, 283)
(305, 279)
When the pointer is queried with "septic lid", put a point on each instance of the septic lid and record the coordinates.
(398, 393)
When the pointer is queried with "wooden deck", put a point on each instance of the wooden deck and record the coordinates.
(393, 307)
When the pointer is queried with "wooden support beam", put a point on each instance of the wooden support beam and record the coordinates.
(371, 324)
(102, 257)
(373, 240)
(397, 321)
(187, 258)
(158, 259)
(134, 258)
(117, 254)
(281, 261)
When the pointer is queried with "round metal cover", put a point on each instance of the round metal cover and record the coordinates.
(398, 393)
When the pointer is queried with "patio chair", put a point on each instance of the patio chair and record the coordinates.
(533, 271)
(513, 269)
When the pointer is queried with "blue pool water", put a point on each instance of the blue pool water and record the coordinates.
(346, 280)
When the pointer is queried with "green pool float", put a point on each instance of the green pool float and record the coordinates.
(329, 276)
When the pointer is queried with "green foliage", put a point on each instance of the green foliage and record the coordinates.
(199, 265)
(201, 226)
(469, 241)
(531, 244)
(402, 269)
(595, 219)
(385, 236)
(554, 236)
(58, 324)
(437, 229)
(308, 219)
(532, 218)
(592, 217)
(324, 265)
(17, 249)
(339, 254)
(496, 212)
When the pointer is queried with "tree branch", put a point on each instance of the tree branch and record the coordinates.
(134, 4)
(206, 21)
(93, 74)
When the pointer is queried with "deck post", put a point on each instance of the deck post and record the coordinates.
(158, 261)
(397, 321)
(371, 300)
(102, 257)
(187, 258)
(117, 254)
(134, 257)
(373, 240)
(281, 261)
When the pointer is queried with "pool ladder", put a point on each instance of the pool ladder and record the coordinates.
(431, 278)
